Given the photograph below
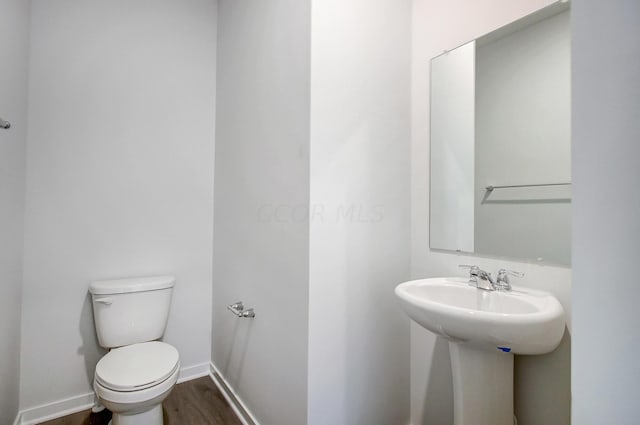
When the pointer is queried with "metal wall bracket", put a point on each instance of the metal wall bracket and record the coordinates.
(238, 310)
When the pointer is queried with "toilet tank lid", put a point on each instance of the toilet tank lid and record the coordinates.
(134, 284)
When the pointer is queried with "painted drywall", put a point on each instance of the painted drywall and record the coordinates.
(359, 227)
(523, 136)
(261, 235)
(606, 226)
(119, 176)
(453, 79)
(14, 47)
(542, 385)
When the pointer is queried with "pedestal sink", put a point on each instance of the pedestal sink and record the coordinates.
(485, 329)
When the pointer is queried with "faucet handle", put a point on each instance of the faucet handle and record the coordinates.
(471, 268)
(507, 272)
(502, 280)
(473, 273)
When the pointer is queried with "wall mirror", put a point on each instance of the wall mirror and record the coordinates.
(500, 142)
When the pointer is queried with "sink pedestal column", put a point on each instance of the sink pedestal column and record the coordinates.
(482, 386)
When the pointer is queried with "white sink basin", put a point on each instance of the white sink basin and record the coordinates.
(522, 321)
(484, 329)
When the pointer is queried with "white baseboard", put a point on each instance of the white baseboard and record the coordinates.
(193, 372)
(18, 420)
(234, 400)
(57, 409)
(60, 408)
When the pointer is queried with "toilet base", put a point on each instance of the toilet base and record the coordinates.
(152, 416)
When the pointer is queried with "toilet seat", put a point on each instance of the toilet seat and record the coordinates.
(137, 367)
(127, 400)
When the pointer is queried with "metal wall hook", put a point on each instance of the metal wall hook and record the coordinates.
(5, 124)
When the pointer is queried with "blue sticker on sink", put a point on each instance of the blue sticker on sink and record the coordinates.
(505, 349)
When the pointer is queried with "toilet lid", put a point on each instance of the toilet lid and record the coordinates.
(138, 366)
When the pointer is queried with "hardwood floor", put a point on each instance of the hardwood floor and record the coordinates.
(197, 402)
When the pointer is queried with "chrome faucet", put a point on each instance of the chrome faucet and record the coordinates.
(473, 273)
(483, 280)
(479, 278)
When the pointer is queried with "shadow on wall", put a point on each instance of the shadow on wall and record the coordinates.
(90, 350)
(542, 387)
(237, 351)
(440, 382)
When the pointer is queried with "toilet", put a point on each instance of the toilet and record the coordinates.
(139, 371)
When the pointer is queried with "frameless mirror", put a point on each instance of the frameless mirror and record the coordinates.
(500, 142)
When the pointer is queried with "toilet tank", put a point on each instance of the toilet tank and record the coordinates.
(128, 311)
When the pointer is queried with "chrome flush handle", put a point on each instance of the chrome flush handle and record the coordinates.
(107, 301)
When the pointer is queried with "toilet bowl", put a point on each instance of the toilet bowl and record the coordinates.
(132, 381)
(139, 371)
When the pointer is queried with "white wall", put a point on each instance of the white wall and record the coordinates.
(606, 226)
(119, 176)
(542, 383)
(14, 46)
(453, 78)
(523, 136)
(261, 247)
(358, 336)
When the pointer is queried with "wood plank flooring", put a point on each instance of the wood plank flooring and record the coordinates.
(196, 402)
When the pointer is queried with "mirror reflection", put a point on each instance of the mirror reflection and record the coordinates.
(500, 142)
